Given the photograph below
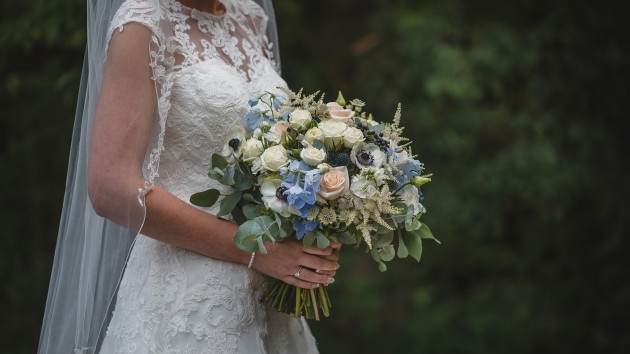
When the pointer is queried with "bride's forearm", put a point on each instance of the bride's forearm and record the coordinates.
(171, 220)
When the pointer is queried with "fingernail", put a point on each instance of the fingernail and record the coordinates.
(317, 270)
(331, 280)
(337, 267)
(315, 285)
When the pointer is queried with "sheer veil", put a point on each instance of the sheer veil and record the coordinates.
(91, 251)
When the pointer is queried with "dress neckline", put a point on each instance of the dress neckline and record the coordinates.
(207, 15)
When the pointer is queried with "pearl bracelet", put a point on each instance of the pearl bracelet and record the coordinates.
(251, 260)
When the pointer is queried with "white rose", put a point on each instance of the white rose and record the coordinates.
(333, 133)
(300, 119)
(273, 158)
(410, 197)
(313, 134)
(313, 156)
(252, 148)
(352, 136)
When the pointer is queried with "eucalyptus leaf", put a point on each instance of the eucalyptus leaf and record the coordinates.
(322, 241)
(403, 252)
(286, 229)
(228, 203)
(247, 235)
(377, 128)
(265, 223)
(414, 244)
(205, 198)
(308, 239)
(425, 232)
(218, 161)
(347, 238)
(261, 245)
(237, 215)
(375, 255)
(242, 182)
(387, 253)
(383, 240)
(228, 176)
(382, 267)
(251, 211)
(216, 173)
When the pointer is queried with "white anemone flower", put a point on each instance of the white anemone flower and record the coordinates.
(235, 137)
(367, 156)
(275, 200)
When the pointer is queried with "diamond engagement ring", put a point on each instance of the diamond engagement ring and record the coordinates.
(297, 274)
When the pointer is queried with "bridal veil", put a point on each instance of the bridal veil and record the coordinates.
(91, 251)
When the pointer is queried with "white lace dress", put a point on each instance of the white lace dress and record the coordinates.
(171, 300)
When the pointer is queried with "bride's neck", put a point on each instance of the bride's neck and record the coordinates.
(214, 7)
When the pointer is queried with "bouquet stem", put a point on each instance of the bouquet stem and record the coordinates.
(289, 299)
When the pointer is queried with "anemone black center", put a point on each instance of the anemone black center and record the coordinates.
(280, 193)
(365, 158)
(234, 143)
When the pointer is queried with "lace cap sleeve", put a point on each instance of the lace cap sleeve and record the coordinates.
(144, 12)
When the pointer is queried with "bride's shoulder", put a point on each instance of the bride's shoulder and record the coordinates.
(144, 12)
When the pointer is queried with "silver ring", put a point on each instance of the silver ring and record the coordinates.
(297, 274)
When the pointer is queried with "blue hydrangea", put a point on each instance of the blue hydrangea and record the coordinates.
(254, 118)
(409, 169)
(302, 226)
(301, 192)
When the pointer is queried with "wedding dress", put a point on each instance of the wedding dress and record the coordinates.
(171, 300)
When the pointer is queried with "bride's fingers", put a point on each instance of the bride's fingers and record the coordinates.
(318, 262)
(319, 251)
(309, 275)
(292, 280)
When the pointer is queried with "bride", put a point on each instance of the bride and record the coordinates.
(163, 81)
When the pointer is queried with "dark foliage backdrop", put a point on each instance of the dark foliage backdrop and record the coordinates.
(517, 107)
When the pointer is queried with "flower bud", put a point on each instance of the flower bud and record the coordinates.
(323, 168)
(418, 181)
(265, 126)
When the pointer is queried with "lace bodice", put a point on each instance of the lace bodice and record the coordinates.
(207, 99)
(171, 300)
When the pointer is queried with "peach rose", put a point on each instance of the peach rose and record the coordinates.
(334, 183)
(339, 113)
(280, 126)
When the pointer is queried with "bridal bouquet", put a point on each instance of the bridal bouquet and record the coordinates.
(319, 172)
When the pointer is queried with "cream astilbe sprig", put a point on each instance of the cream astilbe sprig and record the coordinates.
(394, 130)
(370, 210)
(312, 103)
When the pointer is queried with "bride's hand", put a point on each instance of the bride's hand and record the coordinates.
(285, 259)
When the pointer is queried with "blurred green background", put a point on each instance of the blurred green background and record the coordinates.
(517, 107)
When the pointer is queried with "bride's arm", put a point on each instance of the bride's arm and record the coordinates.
(119, 140)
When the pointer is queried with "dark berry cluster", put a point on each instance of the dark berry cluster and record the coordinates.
(373, 136)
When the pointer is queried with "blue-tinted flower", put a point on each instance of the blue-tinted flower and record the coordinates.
(254, 118)
(289, 173)
(302, 226)
(252, 102)
(278, 101)
(302, 187)
(409, 169)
